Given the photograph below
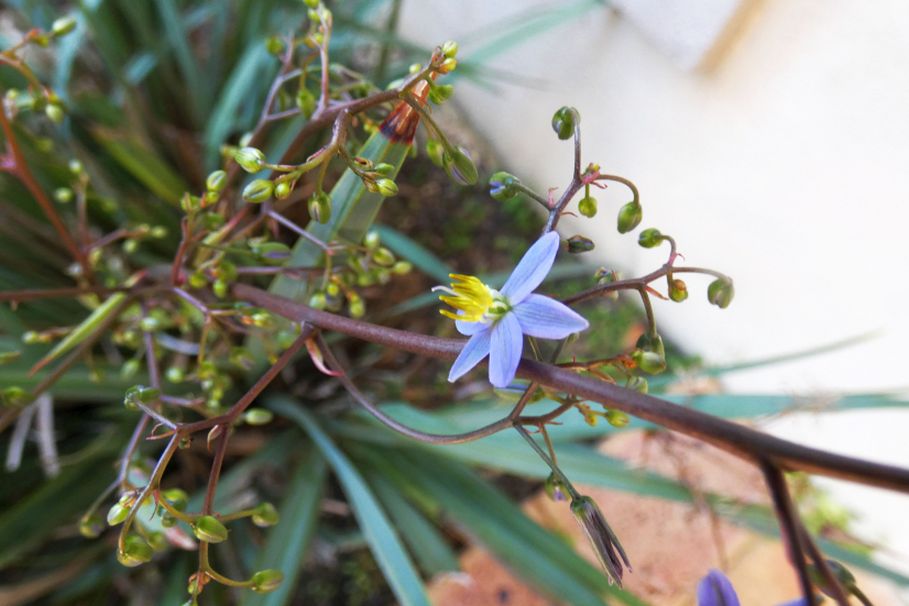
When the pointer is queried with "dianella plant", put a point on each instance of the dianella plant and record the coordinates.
(222, 352)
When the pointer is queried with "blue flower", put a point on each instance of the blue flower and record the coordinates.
(497, 320)
(717, 590)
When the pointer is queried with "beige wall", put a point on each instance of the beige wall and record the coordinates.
(786, 166)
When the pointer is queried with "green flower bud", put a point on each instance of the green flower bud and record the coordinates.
(135, 551)
(282, 190)
(678, 290)
(75, 167)
(157, 541)
(129, 368)
(250, 159)
(54, 112)
(317, 301)
(357, 308)
(176, 497)
(649, 361)
(650, 238)
(220, 288)
(564, 122)
(639, 384)
(554, 488)
(273, 252)
(174, 375)
(216, 181)
(116, 514)
(312, 3)
(130, 245)
(447, 66)
(320, 207)
(440, 93)
(402, 267)
(265, 515)
(149, 324)
(459, 166)
(63, 26)
(198, 280)
(91, 525)
(503, 186)
(140, 394)
(436, 152)
(190, 203)
(384, 257)
(266, 580)
(306, 101)
(579, 244)
(617, 418)
(158, 232)
(212, 220)
(720, 292)
(258, 416)
(63, 195)
(386, 187)
(210, 530)
(258, 191)
(274, 45)
(14, 397)
(630, 217)
(372, 240)
(449, 48)
(384, 169)
(588, 206)
(168, 521)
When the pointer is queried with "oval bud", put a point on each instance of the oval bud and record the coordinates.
(54, 113)
(503, 186)
(564, 122)
(650, 362)
(176, 497)
(258, 416)
(258, 191)
(386, 187)
(555, 488)
(266, 580)
(449, 48)
(216, 181)
(210, 530)
(402, 267)
(617, 418)
(383, 256)
(357, 308)
(282, 190)
(372, 240)
(440, 93)
(91, 525)
(265, 515)
(579, 244)
(274, 45)
(588, 206)
(447, 66)
(135, 551)
(459, 166)
(678, 290)
(436, 152)
(650, 238)
(318, 301)
(250, 159)
(306, 101)
(320, 207)
(720, 292)
(63, 195)
(63, 26)
(630, 217)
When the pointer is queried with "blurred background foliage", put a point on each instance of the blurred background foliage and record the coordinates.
(152, 91)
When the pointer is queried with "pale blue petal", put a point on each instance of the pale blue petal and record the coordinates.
(469, 329)
(716, 590)
(547, 318)
(474, 351)
(505, 350)
(532, 268)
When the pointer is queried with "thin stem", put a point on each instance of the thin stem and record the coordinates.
(572, 492)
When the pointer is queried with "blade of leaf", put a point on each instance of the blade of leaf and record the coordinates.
(383, 541)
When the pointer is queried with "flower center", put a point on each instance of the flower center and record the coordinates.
(472, 300)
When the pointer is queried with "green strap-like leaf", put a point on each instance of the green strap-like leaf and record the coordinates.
(383, 541)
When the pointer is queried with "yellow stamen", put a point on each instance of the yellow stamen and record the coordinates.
(467, 295)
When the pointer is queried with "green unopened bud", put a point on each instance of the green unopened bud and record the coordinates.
(436, 152)
(720, 292)
(639, 384)
(282, 190)
(630, 217)
(216, 181)
(175, 375)
(440, 93)
(564, 122)
(650, 238)
(116, 514)
(258, 416)
(265, 515)
(190, 203)
(320, 207)
(63, 26)
(135, 551)
(588, 206)
(250, 159)
(274, 45)
(306, 101)
(402, 267)
(266, 580)
(129, 369)
(449, 48)
(555, 488)
(503, 186)
(678, 290)
(617, 418)
(157, 541)
(258, 191)
(459, 166)
(386, 187)
(221, 288)
(210, 530)
(311, 3)
(385, 169)
(318, 301)
(75, 167)
(383, 256)
(54, 112)
(14, 397)
(447, 66)
(650, 362)
(176, 497)
(91, 525)
(63, 195)
(357, 308)
(579, 244)
(149, 324)
(372, 240)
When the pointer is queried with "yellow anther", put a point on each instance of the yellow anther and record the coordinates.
(467, 295)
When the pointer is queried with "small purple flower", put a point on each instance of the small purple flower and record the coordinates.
(717, 590)
(496, 321)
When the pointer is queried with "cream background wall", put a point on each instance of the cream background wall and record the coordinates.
(785, 165)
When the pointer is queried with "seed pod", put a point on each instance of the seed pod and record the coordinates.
(630, 217)
(250, 159)
(564, 122)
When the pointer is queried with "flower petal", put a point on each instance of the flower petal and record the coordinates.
(469, 329)
(547, 318)
(716, 590)
(474, 351)
(532, 268)
(505, 350)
